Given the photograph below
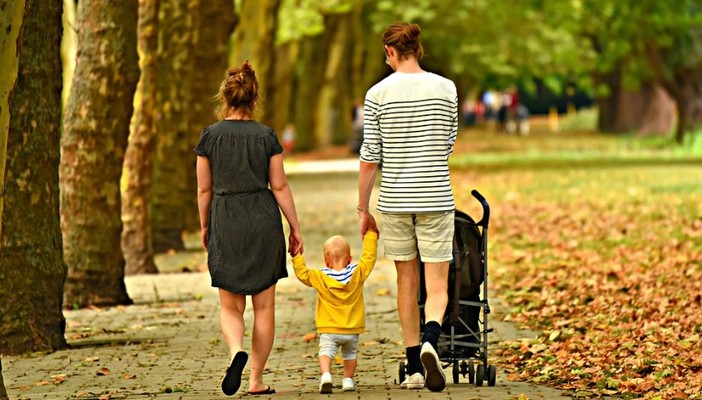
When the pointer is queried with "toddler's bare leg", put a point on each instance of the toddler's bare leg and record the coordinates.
(349, 368)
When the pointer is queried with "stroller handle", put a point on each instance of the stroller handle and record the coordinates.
(486, 208)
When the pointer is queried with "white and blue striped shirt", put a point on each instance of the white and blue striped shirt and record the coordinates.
(343, 275)
(410, 124)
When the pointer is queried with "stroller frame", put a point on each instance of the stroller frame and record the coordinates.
(465, 329)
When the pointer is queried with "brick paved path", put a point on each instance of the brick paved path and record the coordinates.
(168, 345)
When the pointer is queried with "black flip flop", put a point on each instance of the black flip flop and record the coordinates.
(232, 379)
(268, 390)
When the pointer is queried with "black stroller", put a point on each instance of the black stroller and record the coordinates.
(464, 336)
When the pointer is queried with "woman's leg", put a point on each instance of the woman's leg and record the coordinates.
(231, 319)
(262, 337)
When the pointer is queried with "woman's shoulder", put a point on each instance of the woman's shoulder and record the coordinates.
(245, 126)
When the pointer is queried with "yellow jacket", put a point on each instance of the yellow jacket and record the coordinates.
(340, 307)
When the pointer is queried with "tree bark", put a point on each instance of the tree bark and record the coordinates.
(96, 131)
(328, 128)
(684, 85)
(254, 40)
(608, 106)
(308, 79)
(3, 391)
(171, 193)
(647, 111)
(138, 161)
(32, 271)
(68, 47)
(280, 99)
(214, 24)
(686, 89)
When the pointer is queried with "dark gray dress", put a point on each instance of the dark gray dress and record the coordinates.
(245, 240)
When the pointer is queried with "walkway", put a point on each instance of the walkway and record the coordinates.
(168, 345)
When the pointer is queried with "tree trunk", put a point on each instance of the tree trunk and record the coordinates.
(686, 90)
(608, 106)
(68, 47)
(171, 193)
(684, 85)
(3, 391)
(327, 124)
(96, 131)
(280, 99)
(138, 161)
(214, 25)
(254, 40)
(644, 111)
(32, 271)
(308, 79)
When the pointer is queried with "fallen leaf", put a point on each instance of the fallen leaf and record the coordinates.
(103, 371)
(382, 292)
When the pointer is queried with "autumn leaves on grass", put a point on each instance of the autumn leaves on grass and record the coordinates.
(615, 291)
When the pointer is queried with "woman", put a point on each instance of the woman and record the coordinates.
(238, 160)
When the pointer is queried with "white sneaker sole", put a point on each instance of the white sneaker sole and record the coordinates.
(434, 377)
(412, 386)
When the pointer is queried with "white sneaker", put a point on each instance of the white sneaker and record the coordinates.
(325, 383)
(414, 381)
(348, 385)
(433, 374)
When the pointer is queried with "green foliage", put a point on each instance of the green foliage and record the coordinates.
(300, 18)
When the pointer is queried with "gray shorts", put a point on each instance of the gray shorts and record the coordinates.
(329, 343)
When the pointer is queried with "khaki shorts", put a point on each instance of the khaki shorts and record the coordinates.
(432, 233)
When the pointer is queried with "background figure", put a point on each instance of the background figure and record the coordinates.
(411, 126)
(238, 158)
(522, 118)
(340, 314)
(468, 112)
(289, 138)
(357, 124)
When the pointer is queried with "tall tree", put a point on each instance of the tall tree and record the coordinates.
(254, 39)
(213, 26)
(328, 129)
(172, 194)
(138, 161)
(32, 271)
(96, 131)
(673, 47)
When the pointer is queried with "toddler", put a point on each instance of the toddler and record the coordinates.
(340, 313)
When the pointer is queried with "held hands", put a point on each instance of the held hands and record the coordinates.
(295, 246)
(367, 222)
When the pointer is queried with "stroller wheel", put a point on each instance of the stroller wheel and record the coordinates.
(455, 372)
(471, 371)
(492, 375)
(479, 375)
(402, 371)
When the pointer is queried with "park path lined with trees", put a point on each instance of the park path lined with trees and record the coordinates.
(313, 58)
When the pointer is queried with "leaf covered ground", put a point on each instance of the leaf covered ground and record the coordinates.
(603, 255)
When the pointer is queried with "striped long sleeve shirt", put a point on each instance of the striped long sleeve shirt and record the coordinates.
(410, 124)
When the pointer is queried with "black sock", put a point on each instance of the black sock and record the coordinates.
(414, 363)
(432, 331)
